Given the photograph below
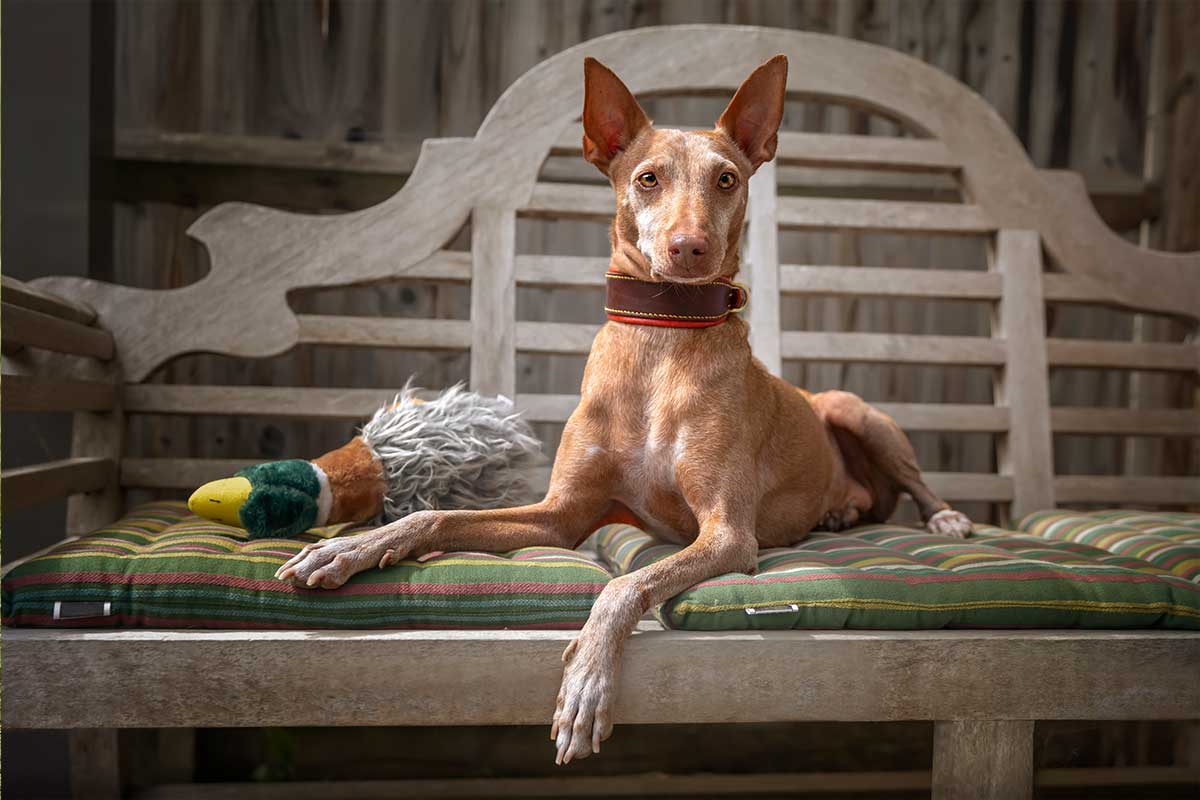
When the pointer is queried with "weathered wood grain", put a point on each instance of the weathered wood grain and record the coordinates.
(27, 486)
(28, 393)
(762, 267)
(949, 284)
(1123, 355)
(300, 402)
(453, 176)
(889, 348)
(800, 148)
(423, 334)
(24, 326)
(178, 473)
(810, 213)
(493, 301)
(1024, 384)
(1126, 421)
(983, 759)
(22, 294)
(1117, 489)
(510, 677)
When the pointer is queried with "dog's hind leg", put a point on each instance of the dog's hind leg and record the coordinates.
(890, 451)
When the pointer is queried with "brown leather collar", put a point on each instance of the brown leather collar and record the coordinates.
(672, 305)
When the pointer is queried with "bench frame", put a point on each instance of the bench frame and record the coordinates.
(86, 347)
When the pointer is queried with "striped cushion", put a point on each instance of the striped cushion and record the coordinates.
(892, 577)
(1168, 540)
(162, 567)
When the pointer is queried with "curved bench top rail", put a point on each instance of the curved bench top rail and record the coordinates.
(259, 254)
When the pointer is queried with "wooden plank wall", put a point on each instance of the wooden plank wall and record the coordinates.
(1072, 78)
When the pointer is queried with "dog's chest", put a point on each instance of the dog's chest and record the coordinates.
(649, 483)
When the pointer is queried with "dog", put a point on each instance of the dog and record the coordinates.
(677, 422)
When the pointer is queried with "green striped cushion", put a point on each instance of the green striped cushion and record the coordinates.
(162, 567)
(892, 577)
(1168, 540)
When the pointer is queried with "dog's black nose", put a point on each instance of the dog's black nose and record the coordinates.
(687, 249)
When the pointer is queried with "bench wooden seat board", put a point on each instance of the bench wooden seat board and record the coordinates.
(983, 688)
(236, 678)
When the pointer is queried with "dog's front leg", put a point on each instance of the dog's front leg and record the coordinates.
(563, 519)
(583, 714)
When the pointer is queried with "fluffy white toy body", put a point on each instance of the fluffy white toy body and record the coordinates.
(458, 450)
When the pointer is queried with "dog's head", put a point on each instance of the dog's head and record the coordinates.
(681, 195)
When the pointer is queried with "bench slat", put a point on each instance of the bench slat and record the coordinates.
(892, 348)
(970, 486)
(819, 213)
(597, 203)
(27, 486)
(188, 473)
(282, 402)
(302, 402)
(1126, 421)
(561, 271)
(571, 201)
(178, 473)
(568, 338)
(1127, 489)
(406, 332)
(1122, 355)
(846, 151)
(955, 284)
(24, 326)
(22, 294)
(1066, 287)
(30, 393)
(850, 676)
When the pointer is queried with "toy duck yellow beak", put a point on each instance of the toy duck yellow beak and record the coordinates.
(221, 500)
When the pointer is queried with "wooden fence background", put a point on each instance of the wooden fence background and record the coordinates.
(319, 105)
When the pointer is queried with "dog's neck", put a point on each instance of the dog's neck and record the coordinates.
(634, 298)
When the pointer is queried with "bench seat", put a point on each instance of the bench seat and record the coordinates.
(92, 679)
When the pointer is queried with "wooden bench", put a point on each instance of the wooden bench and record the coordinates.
(87, 348)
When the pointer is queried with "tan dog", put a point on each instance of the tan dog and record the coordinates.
(679, 424)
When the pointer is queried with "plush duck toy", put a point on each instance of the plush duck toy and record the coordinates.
(460, 450)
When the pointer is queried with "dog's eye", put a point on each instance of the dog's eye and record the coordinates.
(727, 180)
(647, 180)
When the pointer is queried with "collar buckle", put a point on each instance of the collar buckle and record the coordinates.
(740, 297)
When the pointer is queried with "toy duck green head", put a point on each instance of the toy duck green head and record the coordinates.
(276, 499)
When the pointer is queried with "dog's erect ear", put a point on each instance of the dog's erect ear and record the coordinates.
(753, 115)
(612, 117)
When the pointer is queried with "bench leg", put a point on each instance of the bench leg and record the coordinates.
(176, 755)
(983, 760)
(95, 764)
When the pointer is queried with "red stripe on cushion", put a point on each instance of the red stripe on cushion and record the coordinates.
(271, 584)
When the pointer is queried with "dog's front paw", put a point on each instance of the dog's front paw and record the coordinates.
(582, 717)
(330, 563)
(949, 522)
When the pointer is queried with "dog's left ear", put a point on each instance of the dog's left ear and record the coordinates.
(753, 115)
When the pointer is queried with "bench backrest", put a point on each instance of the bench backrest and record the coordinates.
(1029, 221)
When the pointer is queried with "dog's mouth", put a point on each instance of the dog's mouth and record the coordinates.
(672, 277)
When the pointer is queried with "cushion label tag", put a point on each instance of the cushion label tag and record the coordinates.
(81, 610)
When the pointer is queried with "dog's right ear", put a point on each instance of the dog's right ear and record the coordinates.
(612, 117)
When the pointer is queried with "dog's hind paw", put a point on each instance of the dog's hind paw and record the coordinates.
(949, 522)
